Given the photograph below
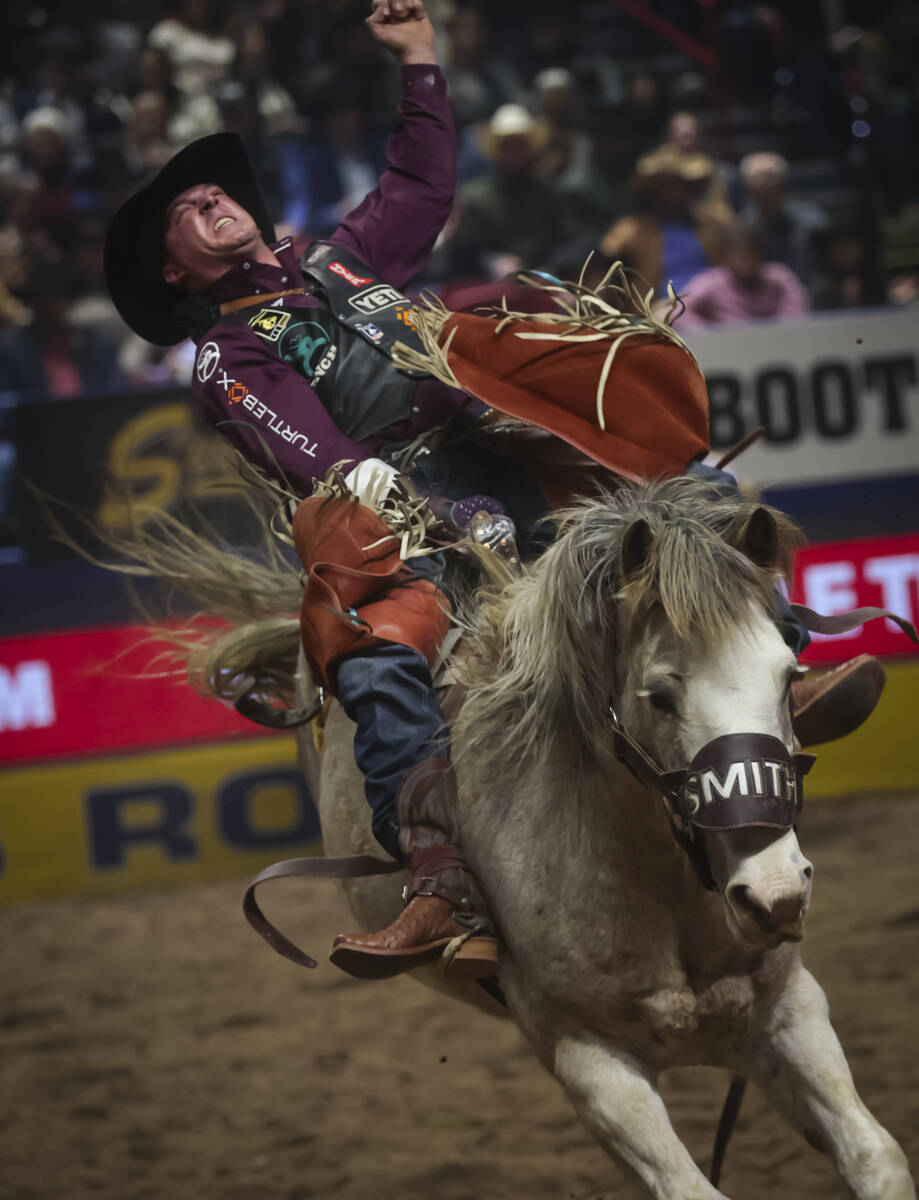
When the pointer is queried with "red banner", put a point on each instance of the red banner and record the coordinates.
(837, 576)
(94, 691)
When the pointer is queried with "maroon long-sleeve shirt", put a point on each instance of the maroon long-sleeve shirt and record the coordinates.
(265, 407)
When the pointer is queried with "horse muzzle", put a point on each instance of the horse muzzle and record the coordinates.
(734, 782)
(741, 780)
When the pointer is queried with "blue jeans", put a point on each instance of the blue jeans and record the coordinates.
(389, 695)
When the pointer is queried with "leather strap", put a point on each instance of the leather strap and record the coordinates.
(247, 704)
(232, 306)
(843, 622)
(729, 1114)
(357, 867)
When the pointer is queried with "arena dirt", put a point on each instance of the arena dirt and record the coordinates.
(152, 1047)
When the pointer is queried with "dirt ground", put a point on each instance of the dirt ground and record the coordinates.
(153, 1047)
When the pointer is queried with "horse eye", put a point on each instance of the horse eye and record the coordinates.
(662, 699)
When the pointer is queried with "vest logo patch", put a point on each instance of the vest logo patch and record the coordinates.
(307, 348)
(269, 324)
(341, 270)
(370, 331)
(375, 299)
(206, 364)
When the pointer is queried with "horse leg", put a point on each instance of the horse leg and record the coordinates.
(616, 1098)
(799, 1064)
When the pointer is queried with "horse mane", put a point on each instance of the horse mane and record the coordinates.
(543, 651)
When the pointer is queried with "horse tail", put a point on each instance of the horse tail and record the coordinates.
(247, 601)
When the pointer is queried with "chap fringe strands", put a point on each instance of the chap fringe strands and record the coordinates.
(586, 315)
(408, 516)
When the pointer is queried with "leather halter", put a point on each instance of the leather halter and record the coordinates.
(734, 782)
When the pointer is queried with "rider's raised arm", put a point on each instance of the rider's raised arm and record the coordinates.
(269, 412)
(395, 227)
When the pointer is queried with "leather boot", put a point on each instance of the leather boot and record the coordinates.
(833, 704)
(443, 901)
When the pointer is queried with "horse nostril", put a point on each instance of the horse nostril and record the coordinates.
(741, 897)
(808, 871)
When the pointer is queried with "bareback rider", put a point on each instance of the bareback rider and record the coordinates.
(294, 366)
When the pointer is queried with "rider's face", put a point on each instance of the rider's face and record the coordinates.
(206, 232)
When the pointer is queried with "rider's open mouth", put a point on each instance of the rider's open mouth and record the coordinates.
(220, 224)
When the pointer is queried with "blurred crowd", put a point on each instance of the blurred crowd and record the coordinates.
(759, 157)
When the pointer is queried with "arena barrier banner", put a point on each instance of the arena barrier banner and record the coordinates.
(838, 395)
(171, 817)
(881, 756)
(102, 461)
(94, 691)
(835, 577)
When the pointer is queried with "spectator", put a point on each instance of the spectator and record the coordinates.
(93, 308)
(49, 358)
(271, 103)
(684, 137)
(745, 288)
(645, 111)
(788, 224)
(13, 275)
(61, 85)
(884, 63)
(847, 275)
(568, 157)
(61, 194)
(510, 216)
(339, 167)
(147, 145)
(677, 236)
(21, 227)
(147, 109)
(478, 82)
(199, 58)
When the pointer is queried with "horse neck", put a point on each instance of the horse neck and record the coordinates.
(606, 828)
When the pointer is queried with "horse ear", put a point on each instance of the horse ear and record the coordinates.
(636, 546)
(759, 538)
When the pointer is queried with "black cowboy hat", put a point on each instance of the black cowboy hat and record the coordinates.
(134, 242)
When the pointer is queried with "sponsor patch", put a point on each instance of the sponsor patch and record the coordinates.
(355, 280)
(375, 299)
(316, 255)
(371, 331)
(206, 364)
(269, 324)
(305, 347)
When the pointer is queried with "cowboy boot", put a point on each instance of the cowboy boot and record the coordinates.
(835, 703)
(443, 901)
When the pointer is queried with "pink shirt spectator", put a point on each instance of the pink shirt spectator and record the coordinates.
(718, 297)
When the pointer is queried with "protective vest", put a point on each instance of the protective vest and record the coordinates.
(344, 349)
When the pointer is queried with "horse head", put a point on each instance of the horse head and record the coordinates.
(706, 682)
(658, 602)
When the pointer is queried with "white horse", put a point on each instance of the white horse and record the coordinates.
(616, 961)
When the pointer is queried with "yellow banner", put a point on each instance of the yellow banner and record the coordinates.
(882, 756)
(179, 816)
(183, 816)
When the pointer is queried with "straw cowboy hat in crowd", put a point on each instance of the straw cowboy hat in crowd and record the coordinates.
(512, 120)
(666, 160)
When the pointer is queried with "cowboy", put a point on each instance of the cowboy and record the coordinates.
(296, 367)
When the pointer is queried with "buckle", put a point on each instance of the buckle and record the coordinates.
(425, 887)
